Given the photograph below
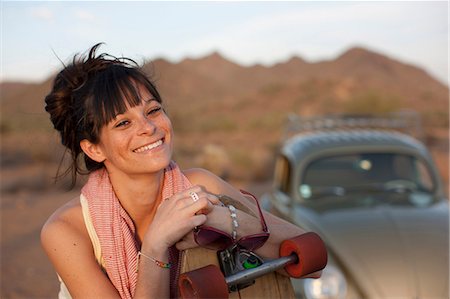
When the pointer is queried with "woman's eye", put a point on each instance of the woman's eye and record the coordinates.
(122, 123)
(154, 110)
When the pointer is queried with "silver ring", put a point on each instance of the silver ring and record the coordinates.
(194, 196)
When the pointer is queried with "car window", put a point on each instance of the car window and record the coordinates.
(368, 170)
(282, 174)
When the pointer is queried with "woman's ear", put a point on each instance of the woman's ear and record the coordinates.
(92, 150)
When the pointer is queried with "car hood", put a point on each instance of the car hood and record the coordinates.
(388, 251)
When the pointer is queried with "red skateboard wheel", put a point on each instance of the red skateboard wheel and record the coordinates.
(206, 282)
(311, 252)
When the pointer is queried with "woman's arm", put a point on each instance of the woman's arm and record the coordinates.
(175, 217)
(66, 241)
(280, 229)
(220, 217)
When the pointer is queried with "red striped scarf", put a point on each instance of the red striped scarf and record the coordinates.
(116, 231)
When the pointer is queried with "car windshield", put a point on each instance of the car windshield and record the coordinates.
(343, 174)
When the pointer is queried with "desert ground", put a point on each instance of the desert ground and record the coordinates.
(26, 271)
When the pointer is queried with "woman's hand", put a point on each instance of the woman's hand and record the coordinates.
(218, 217)
(177, 216)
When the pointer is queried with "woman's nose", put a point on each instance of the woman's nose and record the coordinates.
(146, 126)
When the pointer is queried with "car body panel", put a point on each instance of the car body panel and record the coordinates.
(387, 250)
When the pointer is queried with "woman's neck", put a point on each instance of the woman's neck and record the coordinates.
(138, 195)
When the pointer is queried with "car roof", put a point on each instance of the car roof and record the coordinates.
(300, 146)
(301, 149)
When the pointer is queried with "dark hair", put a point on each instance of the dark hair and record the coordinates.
(86, 95)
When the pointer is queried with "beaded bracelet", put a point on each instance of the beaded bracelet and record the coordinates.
(234, 223)
(158, 263)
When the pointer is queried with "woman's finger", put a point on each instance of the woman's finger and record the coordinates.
(214, 199)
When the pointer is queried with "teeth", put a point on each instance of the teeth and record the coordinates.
(148, 147)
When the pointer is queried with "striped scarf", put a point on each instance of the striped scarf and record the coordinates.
(116, 231)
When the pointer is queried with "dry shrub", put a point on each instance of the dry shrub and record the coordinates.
(372, 102)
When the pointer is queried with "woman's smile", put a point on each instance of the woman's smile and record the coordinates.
(149, 147)
(142, 142)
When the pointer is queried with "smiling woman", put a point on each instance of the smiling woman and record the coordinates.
(122, 237)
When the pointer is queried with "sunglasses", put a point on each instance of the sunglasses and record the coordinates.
(212, 238)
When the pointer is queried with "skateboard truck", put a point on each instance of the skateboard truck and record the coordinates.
(299, 256)
(241, 267)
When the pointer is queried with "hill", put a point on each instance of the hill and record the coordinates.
(230, 118)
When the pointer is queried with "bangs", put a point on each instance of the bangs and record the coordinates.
(116, 89)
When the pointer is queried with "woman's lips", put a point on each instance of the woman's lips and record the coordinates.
(148, 146)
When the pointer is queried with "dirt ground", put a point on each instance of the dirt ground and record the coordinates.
(26, 271)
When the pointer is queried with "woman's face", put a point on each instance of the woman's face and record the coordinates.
(139, 141)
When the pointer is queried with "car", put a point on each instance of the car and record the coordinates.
(376, 199)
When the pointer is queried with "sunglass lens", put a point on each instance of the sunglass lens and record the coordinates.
(212, 239)
(253, 242)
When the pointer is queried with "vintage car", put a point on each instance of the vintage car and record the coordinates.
(376, 199)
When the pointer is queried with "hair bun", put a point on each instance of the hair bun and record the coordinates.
(60, 101)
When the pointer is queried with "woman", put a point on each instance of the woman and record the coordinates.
(121, 238)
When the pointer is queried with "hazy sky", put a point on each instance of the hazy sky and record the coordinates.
(244, 32)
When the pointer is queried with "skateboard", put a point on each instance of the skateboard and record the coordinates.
(239, 273)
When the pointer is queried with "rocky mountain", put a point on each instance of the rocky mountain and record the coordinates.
(226, 112)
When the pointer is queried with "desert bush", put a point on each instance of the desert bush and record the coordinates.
(221, 123)
(436, 118)
(271, 89)
(5, 127)
(250, 165)
(268, 121)
(371, 102)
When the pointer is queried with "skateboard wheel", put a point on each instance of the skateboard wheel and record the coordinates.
(206, 282)
(311, 252)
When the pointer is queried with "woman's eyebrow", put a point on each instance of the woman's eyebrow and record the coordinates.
(149, 100)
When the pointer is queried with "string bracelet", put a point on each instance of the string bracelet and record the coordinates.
(158, 263)
(234, 222)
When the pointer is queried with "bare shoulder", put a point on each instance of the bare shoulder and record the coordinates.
(214, 184)
(67, 215)
(66, 241)
(64, 224)
(205, 178)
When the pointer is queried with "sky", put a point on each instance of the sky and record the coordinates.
(36, 35)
